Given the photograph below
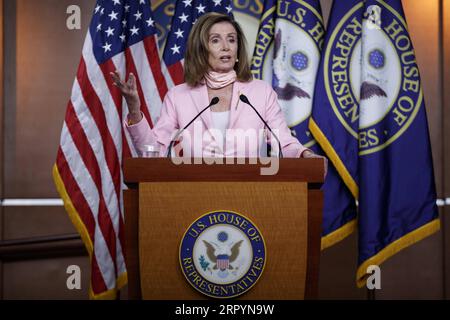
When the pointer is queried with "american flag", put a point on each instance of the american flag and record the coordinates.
(186, 14)
(88, 169)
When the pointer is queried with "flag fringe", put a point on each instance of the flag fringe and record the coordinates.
(338, 234)
(395, 247)
(121, 280)
(72, 212)
(334, 157)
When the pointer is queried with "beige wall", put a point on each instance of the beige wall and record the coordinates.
(40, 61)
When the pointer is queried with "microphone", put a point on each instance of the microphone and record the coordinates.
(214, 101)
(245, 100)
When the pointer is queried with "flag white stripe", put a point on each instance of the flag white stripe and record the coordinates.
(90, 193)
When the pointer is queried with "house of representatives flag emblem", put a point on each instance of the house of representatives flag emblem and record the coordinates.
(287, 55)
(372, 77)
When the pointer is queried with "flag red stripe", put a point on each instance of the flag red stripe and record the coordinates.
(155, 64)
(176, 72)
(87, 154)
(131, 67)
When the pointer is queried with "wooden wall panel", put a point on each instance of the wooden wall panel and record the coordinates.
(337, 278)
(414, 273)
(47, 58)
(1, 104)
(446, 141)
(28, 222)
(44, 279)
(326, 7)
(41, 57)
(1, 139)
(423, 22)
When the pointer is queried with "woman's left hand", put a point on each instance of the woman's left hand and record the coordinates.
(310, 154)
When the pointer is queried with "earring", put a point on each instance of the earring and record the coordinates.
(237, 60)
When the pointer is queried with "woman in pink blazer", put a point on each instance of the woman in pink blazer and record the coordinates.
(216, 65)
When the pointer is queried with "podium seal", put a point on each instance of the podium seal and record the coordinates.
(222, 254)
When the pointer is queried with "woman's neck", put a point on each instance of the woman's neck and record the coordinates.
(224, 94)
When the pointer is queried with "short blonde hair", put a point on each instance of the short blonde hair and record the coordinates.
(196, 59)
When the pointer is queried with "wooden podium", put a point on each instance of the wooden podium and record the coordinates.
(164, 199)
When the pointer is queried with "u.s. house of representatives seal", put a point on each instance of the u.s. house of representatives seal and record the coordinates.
(222, 254)
(371, 75)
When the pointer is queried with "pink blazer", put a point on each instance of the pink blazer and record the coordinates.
(182, 103)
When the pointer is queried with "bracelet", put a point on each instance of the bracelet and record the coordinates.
(129, 122)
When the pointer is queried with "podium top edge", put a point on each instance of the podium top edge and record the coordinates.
(138, 170)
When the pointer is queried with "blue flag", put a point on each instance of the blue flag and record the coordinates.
(397, 189)
(369, 117)
(334, 118)
(287, 55)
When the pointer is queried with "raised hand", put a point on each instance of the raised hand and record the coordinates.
(130, 93)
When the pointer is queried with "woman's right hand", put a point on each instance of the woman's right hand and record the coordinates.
(130, 93)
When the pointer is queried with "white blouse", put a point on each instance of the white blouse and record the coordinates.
(221, 121)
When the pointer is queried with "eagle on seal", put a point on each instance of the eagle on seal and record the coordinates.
(369, 90)
(211, 253)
